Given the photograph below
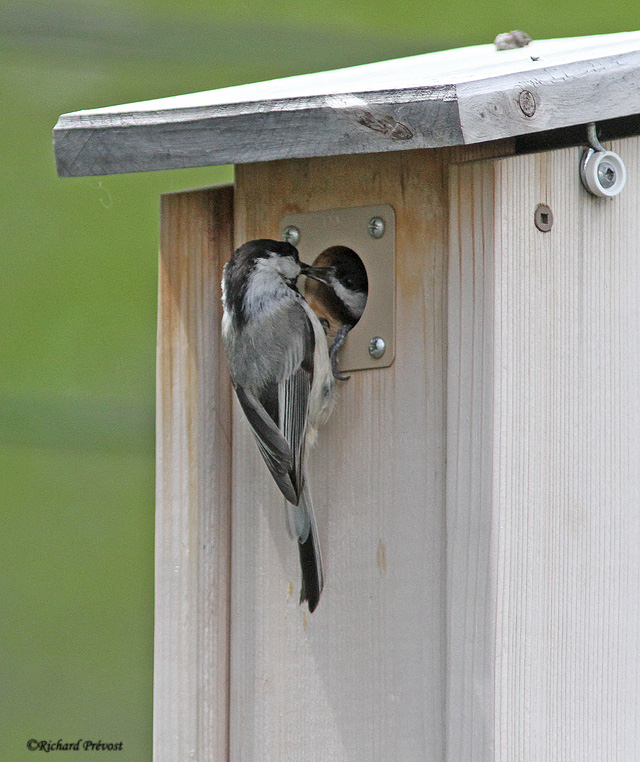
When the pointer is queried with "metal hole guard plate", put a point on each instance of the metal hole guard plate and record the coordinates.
(350, 227)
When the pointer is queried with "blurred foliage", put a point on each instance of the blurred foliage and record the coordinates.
(77, 310)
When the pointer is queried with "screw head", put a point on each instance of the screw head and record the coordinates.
(291, 235)
(527, 103)
(606, 174)
(377, 347)
(543, 218)
(376, 227)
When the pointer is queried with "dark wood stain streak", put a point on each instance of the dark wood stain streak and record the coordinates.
(385, 124)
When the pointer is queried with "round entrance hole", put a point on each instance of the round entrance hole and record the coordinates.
(342, 300)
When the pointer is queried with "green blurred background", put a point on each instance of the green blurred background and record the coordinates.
(78, 304)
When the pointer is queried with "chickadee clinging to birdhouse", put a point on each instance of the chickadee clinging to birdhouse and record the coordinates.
(340, 297)
(282, 374)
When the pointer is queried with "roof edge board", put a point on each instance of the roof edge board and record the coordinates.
(572, 89)
(356, 126)
(580, 92)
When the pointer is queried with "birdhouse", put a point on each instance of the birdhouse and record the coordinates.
(477, 488)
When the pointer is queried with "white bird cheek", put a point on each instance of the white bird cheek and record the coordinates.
(288, 267)
(355, 300)
(264, 292)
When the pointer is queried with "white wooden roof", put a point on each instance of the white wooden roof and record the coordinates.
(453, 97)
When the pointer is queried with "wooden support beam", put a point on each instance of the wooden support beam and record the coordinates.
(193, 502)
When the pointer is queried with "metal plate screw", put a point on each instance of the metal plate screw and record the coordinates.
(376, 227)
(291, 235)
(377, 347)
(543, 218)
(527, 103)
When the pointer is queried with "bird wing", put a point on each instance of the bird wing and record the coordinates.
(278, 412)
(293, 404)
(273, 447)
(293, 410)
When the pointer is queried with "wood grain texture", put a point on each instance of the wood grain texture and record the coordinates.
(578, 92)
(447, 98)
(543, 485)
(470, 601)
(363, 678)
(315, 126)
(193, 482)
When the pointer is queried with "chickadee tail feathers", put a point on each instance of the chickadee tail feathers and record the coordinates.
(302, 527)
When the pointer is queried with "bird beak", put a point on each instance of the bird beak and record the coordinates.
(321, 274)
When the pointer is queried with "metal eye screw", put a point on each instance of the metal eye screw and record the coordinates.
(602, 172)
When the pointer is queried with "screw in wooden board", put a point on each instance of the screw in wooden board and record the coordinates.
(291, 235)
(543, 218)
(527, 103)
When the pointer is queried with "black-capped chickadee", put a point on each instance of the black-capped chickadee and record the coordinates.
(340, 297)
(281, 371)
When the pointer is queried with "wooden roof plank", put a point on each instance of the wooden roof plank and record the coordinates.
(453, 97)
(582, 91)
(352, 125)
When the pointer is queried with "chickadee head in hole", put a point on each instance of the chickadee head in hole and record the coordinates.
(339, 296)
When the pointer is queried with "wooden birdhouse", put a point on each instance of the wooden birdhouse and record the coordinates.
(478, 487)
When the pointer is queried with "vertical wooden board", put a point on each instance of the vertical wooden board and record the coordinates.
(470, 576)
(566, 463)
(563, 364)
(363, 677)
(193, 481)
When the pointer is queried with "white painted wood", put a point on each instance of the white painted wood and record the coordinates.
(191, 671)
(543, 482)
(447, 98)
